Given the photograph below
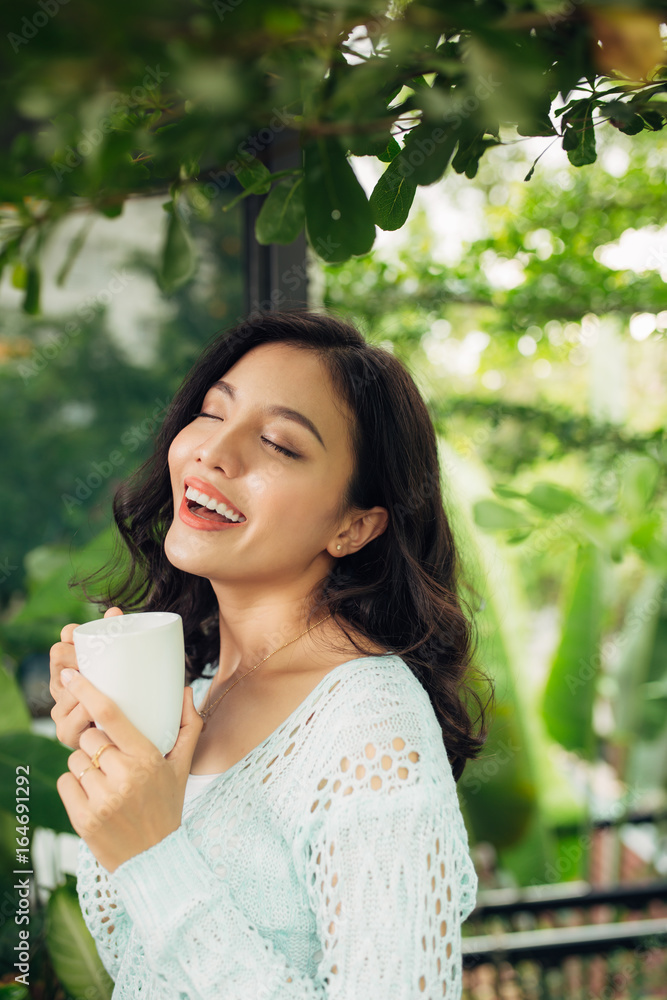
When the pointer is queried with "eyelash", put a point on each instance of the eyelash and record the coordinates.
(285, 451)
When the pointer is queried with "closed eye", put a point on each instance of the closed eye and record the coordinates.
(272, 444)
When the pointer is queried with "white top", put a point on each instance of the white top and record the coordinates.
(330, 863)
(196, 783)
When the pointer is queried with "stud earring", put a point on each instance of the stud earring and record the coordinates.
(338, 546)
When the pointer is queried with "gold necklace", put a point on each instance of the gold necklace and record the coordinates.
(207, 711)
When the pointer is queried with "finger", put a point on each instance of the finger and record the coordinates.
(66, 632)
(121, 731)
(71, 725)
(64, 698)
(79, 716)
(70, 712)
(78, 760)
(92, 741)
(191, 727)
(61, 654)
(74, 799)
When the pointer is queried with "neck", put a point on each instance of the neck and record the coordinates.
(252, 629)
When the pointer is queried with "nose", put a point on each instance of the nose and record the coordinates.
(218, 449)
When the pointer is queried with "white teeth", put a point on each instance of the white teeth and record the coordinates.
(203, 498)
(227, 512)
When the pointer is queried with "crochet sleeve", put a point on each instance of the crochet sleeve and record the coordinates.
(103, 911)
(388, 877)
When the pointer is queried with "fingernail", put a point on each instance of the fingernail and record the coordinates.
(67, 675)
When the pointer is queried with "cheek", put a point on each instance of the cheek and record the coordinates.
(178, 449)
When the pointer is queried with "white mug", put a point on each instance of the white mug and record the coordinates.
(138, 660)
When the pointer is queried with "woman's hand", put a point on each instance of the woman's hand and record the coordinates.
(135, 799)
(71, 718)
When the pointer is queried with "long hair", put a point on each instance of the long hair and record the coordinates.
(401, 590)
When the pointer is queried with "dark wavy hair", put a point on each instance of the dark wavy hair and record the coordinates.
(401, 590)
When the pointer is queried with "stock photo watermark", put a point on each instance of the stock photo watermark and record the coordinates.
(218, 181)
(30, 26)
(93, 137)
(588, 668)
(59, 341)
(101, 471)
(22, 885)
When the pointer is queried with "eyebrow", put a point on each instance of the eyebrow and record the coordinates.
(274, 410)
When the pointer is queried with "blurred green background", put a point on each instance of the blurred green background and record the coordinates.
(533, 316)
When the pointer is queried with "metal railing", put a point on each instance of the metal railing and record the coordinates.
(570, 940)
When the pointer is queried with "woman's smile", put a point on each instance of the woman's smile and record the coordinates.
(225, 470)
(203, 506)
(204, 519)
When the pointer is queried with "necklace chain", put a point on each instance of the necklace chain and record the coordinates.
(207, 711)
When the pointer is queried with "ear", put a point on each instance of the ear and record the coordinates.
(364, 529)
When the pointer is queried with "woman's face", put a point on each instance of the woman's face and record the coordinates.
(288, 502)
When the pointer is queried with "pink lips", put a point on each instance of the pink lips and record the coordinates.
(203, 487)
(190, 518)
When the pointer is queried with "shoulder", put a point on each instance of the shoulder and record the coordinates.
(377, 767)
(375, 687)
(374, 724)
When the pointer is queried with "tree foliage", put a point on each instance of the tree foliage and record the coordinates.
(182, 96)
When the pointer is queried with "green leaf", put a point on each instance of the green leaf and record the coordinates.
(654, 120)
(14, 991)
(14, 714)
(427, 153)
(72, 948)
(19, 275)
(633, 126)
(52, 602)
(259, 187)
(111, 211)
(645, 530)
(283, 214)
(639, 482)
(392, 196)
(494, 516)
(569, 693)
(8, 252)
(32, 285)
(537, 120)
(74, 250)
(379, 144)
(178, 259)
(532, 169)
(392, 150)
(47, 760)
(541, 124)
(514, 537)
(584, 152)
(165, 128)
(551, 499)
(570, 139)
(254, 174)
(470, 151)
(339, 220)
(419, 83)
(566, 107)
(642, 641)
(506, 491)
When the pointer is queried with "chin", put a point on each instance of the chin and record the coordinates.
(179, 556)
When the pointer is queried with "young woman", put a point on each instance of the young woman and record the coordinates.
(303, 839)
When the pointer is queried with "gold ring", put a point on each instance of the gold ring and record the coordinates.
(94, 760)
